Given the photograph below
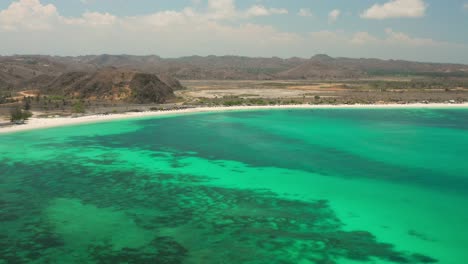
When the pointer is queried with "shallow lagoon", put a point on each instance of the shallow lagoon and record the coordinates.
(276, 186)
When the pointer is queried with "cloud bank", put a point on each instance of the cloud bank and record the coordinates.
(219, 27)
(396, 9)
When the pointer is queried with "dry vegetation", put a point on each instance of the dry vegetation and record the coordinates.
(365, 91)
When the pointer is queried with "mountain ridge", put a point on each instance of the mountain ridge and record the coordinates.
(19, 70)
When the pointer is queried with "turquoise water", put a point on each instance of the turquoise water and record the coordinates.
(279, 186)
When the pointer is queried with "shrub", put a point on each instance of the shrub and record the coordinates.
(19, 116)
(78, 108)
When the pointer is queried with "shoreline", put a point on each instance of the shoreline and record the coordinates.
(42, 123)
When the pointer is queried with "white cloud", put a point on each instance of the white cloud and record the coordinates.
(226, 9)
(28, 14)
(32, 15)
(304, 12)
(465, 6)
(259, 10)
(92, 19)
(39, 28)
(363, 38)
(333, 15)
(396, 9)
(222, 9)
(394, 37)
(156, 21)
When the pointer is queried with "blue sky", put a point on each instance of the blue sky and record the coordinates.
(423, 30)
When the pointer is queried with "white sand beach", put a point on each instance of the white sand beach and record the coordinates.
(39, 123)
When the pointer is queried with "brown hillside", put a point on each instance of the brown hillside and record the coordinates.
(111, 84)
(15, 70)
(320, 70)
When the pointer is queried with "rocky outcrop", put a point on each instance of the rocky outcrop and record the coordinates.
(110, 84)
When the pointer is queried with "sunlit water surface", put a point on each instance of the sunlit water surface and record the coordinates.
(278, 186)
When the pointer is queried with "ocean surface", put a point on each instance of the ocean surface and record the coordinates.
(318, 186)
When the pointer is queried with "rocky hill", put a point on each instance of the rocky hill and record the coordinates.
(110, 84)
(70, 76)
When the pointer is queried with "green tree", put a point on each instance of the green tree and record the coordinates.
(17, 115)
(78, 107)
(27, 105)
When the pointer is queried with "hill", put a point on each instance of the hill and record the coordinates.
(110, 84)
(16, 71)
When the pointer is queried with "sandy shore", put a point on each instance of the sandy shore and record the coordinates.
(38, 123)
